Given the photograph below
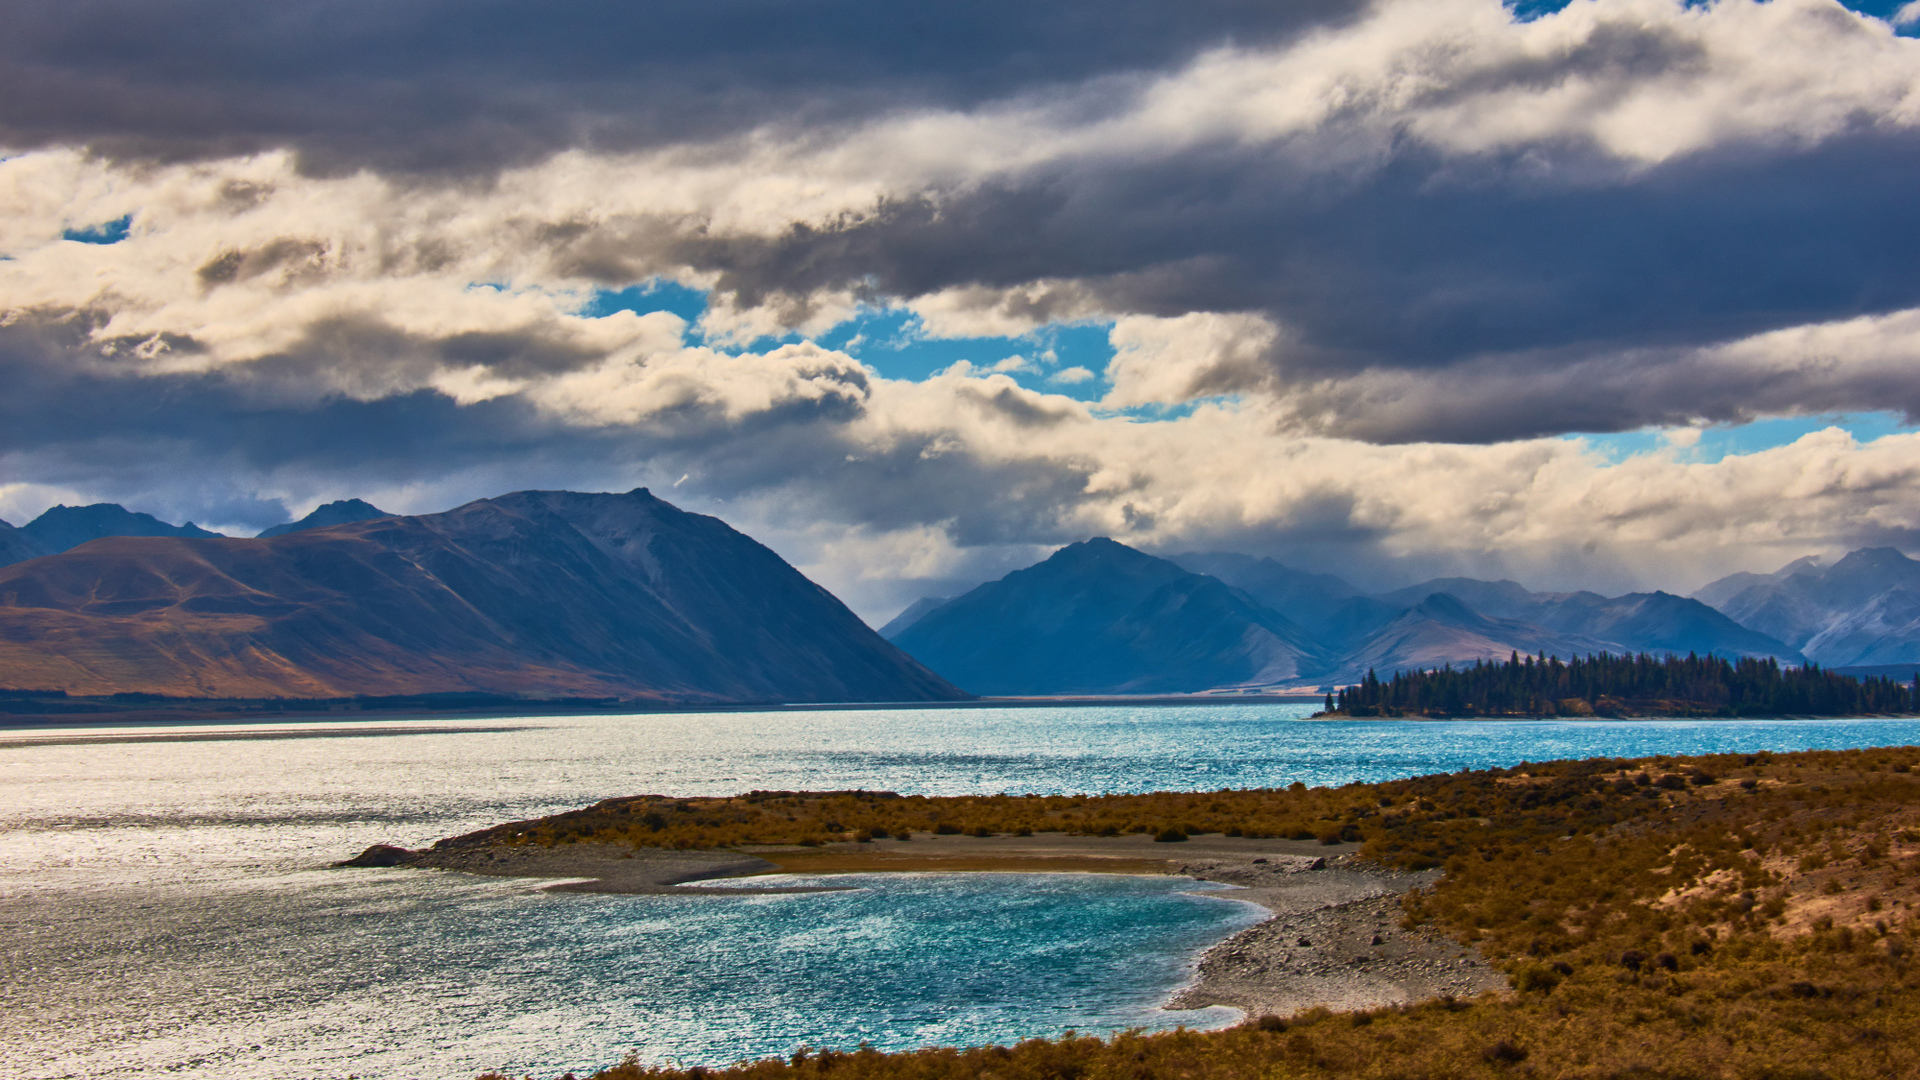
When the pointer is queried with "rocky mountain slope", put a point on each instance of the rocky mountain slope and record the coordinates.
(535, 593)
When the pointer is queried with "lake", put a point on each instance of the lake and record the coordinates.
(168, 908)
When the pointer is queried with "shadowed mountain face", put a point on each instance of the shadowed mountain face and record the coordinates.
(66, 527)
(16, 546)
(538, 593)
(1100, 617)
(342, 512)
(1863, 610)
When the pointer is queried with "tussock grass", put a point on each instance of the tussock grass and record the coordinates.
(1712, 917)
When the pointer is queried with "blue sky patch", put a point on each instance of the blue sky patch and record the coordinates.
(111, 232)
(890, 340)
(1722, 440)
(1529, 10)
(648, 297)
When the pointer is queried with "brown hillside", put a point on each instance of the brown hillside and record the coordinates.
(536, 593)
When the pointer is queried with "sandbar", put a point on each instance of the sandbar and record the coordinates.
(1333, 938)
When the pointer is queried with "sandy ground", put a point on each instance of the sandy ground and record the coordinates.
(606, 868)
(1334, 939)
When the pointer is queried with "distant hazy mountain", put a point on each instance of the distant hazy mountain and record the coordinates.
(1331, 609)
(1499, 599)
(1301, 595)
(1440, 629)
(539, 593)
(66, 527)
(1655, 622)
(914, 613)
(1863, 610)
(342, 512)
(1101, 618)
(1355, 621)
(16, 546)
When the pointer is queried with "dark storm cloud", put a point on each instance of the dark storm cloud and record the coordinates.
(442, 85)
(186, 445)
(1420, 268)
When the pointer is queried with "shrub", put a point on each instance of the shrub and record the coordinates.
(1504, 1053)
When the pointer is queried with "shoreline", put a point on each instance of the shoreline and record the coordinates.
(223, 711)
(32, 725)
(1331, 938)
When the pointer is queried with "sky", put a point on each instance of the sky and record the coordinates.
(1616, 294)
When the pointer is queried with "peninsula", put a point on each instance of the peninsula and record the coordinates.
(1718, 916)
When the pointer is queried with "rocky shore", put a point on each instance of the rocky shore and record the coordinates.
(1335, 941)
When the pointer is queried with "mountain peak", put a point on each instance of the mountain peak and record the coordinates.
(1100, 617)
(1446, 607)
(338, 512)
(1876, 558)
(1100, 552)
(64, 527)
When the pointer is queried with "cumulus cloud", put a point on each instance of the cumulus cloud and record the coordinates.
(1202, 354)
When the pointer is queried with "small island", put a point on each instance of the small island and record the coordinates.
(1614, 686)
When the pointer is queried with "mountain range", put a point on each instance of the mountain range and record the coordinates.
(1099, 617)
(373, 603)
(1861, 611)
(536, 593)
(63, 528)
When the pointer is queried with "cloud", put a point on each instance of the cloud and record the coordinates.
(1203, 354)
(1364, 265)
(437, 86)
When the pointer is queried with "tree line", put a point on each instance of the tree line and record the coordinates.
(1641, 685)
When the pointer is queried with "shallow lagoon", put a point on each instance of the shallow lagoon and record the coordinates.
(167, 909)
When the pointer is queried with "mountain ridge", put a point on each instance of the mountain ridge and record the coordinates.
(338, 512)
(531, 593)
(62, 528)
(1332, 632)
(1100, 617)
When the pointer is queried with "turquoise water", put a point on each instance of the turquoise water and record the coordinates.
(167, 910)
